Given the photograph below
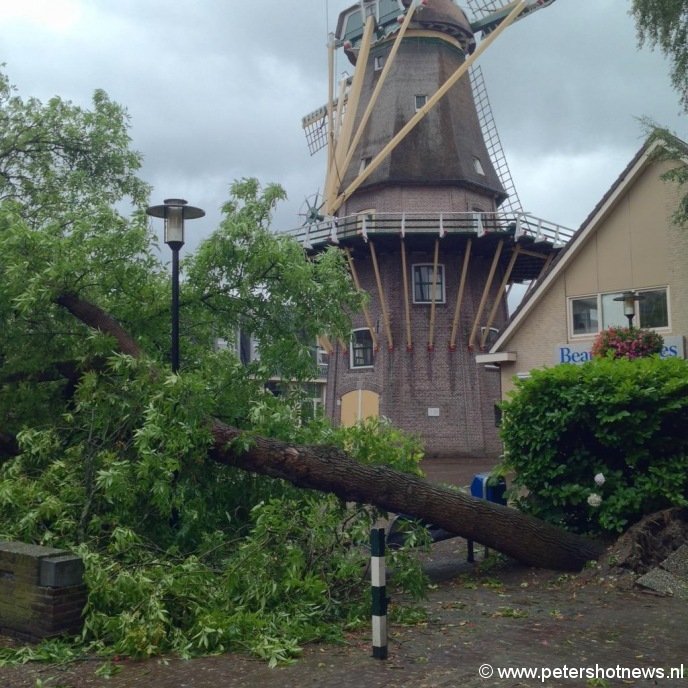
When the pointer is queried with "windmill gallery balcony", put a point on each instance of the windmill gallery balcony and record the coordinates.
(520, 228)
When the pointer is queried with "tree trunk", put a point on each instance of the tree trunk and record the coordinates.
(329, 469)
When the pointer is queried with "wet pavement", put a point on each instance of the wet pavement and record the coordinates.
(586, 630)
(501, 617)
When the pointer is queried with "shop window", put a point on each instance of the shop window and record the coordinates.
(361, 353)
(423, 283)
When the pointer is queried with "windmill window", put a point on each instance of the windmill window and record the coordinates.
(364, 163)
(379, 62)
(423, 283)
(478, 166)
(421, 100)
(361, 353)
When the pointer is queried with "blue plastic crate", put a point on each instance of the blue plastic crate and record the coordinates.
(491, 488)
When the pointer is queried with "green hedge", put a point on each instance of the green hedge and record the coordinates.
(624, 421)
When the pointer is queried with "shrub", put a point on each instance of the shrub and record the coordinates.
(627, 342)
(598, 446)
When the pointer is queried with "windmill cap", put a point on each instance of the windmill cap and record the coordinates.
(435, 15)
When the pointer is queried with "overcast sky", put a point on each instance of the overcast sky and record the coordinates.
(216, 90)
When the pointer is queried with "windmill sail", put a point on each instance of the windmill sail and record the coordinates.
(512, 205)
(482, 8)
(488, 14)
(314, 124)
(315, 128)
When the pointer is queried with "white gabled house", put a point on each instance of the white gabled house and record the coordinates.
(628, 243)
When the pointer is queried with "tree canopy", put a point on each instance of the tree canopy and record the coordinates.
(664, 24)
(106, 454)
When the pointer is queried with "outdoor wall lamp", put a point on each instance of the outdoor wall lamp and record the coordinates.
(174, 212)
(629, 298)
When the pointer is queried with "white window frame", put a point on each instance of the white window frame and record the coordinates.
(569, 316)
(352, 365)
(441, 279)
(637, 322)
(665, 288)
(378, 62)
(478, 165)
(416, 101)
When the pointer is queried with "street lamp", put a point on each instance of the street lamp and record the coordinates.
(629, 298)
(174, 212)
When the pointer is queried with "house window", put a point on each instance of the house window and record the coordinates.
(423, 286)
(613, 312)
(591, 314)
(361, 354)
(421, 100)
(584, 315)
(653, 309)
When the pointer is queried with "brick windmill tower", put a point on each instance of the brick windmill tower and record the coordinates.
(418, 196)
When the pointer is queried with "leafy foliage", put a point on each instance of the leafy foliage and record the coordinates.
(59, 160)
(672, 150)
(621, 419)
(627, 342)
(664, 24)
(246, 277)
(182, 555)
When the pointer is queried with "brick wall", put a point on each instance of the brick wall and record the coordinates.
(411, 382)
(42, 593)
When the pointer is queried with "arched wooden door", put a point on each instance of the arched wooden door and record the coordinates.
(359, 405)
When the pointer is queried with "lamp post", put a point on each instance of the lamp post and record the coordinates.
(174, 212)
(629, 298)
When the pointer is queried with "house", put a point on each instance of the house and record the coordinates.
(628, 243)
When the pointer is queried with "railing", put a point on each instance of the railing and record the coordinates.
(477, 224)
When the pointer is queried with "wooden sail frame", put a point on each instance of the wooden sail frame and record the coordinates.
(333, 200)
(342, 144)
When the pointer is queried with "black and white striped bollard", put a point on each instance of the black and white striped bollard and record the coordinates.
(379, 592)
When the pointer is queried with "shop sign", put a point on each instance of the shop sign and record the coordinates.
(580, 352)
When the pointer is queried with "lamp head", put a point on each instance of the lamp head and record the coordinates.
(174, 211)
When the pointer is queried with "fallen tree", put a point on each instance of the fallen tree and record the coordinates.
(327, 469)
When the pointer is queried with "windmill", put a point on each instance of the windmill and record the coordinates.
(418, 195)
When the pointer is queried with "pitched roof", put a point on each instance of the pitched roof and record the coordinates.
(640, 160)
